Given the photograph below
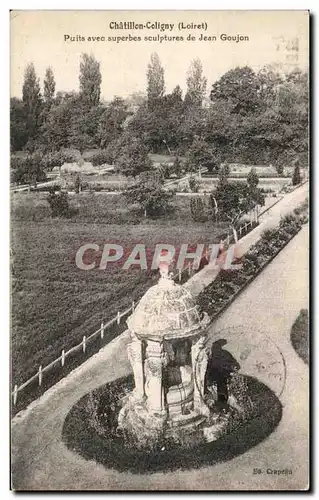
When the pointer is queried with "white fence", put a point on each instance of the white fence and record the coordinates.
(104, 326)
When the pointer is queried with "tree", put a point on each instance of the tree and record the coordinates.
(233, 200)
(240, 88)
(56, 129)
(111, 122)
(133, 158)
(31, 97)
(200, 154)
(150, 195)
(18, 119)
(49, 86)
(177, 96)
(102, 157)
(29, 169)
(84, 122)
(252, 179)
(198, 211)
(193, 184)
(90, 80)
(55, 158)
(196, 84)
(164, 171)
(296, 176)
(192, 124)
(177, 167)
(223, 174)
(269, 79)
(257, 198)
(59, 204)
(77, 183)
(155, 79)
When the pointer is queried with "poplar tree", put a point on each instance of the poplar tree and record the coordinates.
(196, 83)
(31, 97)
(49, 86)
(155, 79)
(90, 79)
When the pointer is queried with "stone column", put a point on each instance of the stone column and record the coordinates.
(199, 364)
(135, 356)
(154, 388)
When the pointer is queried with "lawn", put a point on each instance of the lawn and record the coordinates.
(53, 302)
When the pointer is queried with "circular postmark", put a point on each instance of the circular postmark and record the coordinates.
(256, 354)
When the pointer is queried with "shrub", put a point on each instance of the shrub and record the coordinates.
(193, 184)
(296, 176)
(151, 197)
(198, 209)
(177, 167)
(164, 170)
(59, 204)
(280, 169)
(290, 223)
(28, 169)
(268, 235)
(252, 258)
(101, 157)
(77, 184)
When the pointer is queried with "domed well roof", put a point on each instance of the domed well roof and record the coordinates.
(167, 310)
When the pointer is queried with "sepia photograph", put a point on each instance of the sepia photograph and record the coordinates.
(159, 250)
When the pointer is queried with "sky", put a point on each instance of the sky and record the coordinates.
(39, 37)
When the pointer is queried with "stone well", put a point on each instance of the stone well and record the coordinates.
(167, 335)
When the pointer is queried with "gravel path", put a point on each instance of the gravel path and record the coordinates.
(271, 303)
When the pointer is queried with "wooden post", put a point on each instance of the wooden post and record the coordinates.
(189, 269)
(179, 275)
(227, 240)
(133, 306)
(118, 318)
(15, 394)
(102, 330)
(84, 343)
(63, 357)
(40, 375)
(240, 229)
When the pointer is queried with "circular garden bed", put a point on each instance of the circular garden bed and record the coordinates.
(90, 429)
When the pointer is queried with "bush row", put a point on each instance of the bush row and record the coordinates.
(243, 175)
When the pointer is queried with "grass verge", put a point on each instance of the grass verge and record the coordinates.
(299, 335)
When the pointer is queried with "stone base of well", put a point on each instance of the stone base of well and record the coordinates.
(146, 430)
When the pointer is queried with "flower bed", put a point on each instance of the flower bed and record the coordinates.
(229, 283)
(90, 430)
